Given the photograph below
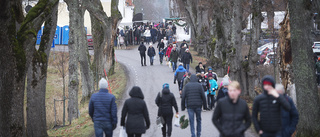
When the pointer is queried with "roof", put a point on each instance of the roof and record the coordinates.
(129, 3)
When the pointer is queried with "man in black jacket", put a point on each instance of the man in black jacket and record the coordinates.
(193, 95)
(151, 53)
(142, 48)
(165, 101)
(231, 112)
(186, 59)
(268, 104)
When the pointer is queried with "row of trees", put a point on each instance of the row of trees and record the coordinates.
(25, 67)
(217, 32)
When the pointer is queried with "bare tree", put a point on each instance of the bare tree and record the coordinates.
(18, 38)
(304, 68)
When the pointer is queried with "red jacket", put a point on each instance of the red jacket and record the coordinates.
(169, 51)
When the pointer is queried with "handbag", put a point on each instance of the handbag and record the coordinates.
(160, 121)
(123, 132)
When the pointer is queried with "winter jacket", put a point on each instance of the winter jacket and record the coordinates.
(212, 84)
(290, 119)
(214, 75)
(147, 33)
(136, 111)
(223, 92)
(270, 110)
(199, 70)
(184, 82)
(160, 45)
(187, 58)
(193, 95)
(204, 83)
(151, 52)
(180, 72)
(166, 102)
(103, 107)
(153, 32)
(142, 48)
(181, 52)
(229, 117)
(168, 52)
(174, 55)
(182, 45)
(137, 33)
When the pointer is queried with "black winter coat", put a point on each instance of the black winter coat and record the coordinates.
(166, 102)
(270, 110)
(136, 111)
(142, 48)
(199, 70)
(229, 117)
(223, 92)
(174, 55)
(193, 94)
(187, 58)
(151, 52)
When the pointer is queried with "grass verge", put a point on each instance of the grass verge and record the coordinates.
(83, 126)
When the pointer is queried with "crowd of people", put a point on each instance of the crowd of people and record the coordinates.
(273, 112)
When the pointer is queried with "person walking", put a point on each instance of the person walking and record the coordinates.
(290, 118)
(187, 59)
(154, 33)
(174, 58)
(211, 93)
(165, 101)
(103, 110)
(231, 112)
(161, 54)
(204, 83)
(184, 43)
(268, 104)
(168, 51)
(142, 49)
(210, 71)
(178, 75)
(193, 96)
(151, 53)
(181, 52)
(134, 115)
(160, 45)
(147, 34)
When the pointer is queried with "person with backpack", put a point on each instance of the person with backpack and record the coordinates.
(135, 115)
(223, 91)
(165, 101)
(178, 75)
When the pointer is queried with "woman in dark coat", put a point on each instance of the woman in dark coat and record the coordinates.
(138, 117)
(165, 101)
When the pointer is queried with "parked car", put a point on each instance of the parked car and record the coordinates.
(90, 41)
(316, 47)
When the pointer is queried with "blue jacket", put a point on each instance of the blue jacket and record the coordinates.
(103, 107)
(289, 119)
(178, 75)
(213, 84)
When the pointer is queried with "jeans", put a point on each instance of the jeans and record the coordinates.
(151, 60)
(167, 123)
(161, 58)
(148, 40)
(186, 66)
(266, 134)
(101, 127)
(174, 65)
(191, 112)
(211, 101)
(143, 56)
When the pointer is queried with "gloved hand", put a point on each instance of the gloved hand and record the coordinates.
(114, 126)
(213, 89)
(148, 126)
(174, 82)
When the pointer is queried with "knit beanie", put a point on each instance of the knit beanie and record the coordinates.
(165, 85)
(103, 83)
(225, 82)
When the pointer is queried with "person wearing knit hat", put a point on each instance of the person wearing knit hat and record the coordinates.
(187, 59)
(103, 110)
(223, 91)
(269, 105)
(200, 68)
(151, 53)
(210, 71)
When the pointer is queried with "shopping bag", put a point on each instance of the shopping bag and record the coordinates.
(123, 132)
(160, 121)
(170, 64)
(154, 57)
(176, 121)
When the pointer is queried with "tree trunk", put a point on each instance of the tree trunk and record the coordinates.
(37, 78)
(250, 66)
(75, 40)
(17, 40)
(304, 68)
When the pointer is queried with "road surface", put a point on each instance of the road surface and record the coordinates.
(150, 79)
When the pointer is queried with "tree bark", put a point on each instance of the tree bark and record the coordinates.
(304, 68)
(75, 39)
(37, 78)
